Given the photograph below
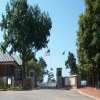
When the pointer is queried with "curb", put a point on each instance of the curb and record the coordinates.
(85, 94)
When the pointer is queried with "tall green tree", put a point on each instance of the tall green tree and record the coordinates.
(71, 63)
(33, 65)
(88, 38)
(39, 67)
(25, 28)
(43, 68)
(50, 75)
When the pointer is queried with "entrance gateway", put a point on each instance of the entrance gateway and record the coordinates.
(66, 82)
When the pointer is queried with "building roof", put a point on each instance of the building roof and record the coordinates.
(17, 59)
(5, 57)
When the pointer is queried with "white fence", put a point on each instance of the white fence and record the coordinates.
(48, 85)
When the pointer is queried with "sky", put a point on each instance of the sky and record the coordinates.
(64, 15)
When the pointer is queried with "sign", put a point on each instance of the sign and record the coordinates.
(9, 81)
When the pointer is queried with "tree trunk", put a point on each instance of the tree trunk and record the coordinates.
(94, 77)
(23, 69)
(35, 80)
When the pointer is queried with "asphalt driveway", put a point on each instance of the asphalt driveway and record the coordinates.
(43, 94)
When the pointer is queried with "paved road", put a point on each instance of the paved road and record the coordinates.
(43, 94)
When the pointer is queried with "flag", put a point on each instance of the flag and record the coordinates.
(47, 53)
(63, 53)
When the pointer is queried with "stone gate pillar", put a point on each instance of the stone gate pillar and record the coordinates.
(59, 77)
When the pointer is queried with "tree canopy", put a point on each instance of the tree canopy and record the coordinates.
(26, 24)
(71, 63)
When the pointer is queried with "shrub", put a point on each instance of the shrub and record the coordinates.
(3, 84)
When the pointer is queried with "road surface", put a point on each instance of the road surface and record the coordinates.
(43, 94)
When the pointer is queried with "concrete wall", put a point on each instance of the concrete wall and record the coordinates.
(70, 81)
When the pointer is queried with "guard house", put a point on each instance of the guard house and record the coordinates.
(9, 66)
